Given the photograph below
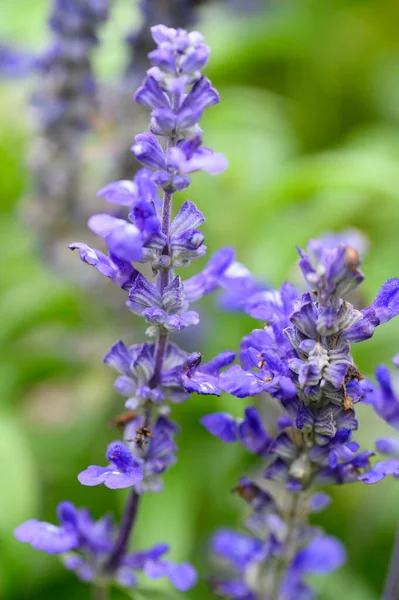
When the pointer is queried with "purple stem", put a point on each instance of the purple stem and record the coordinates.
(131, 508)
(128, 522)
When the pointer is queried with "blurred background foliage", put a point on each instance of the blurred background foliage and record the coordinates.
(309, 120)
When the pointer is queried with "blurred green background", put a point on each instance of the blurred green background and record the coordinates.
(309, 120)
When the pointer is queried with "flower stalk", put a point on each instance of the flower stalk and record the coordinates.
(301, 358)
(154, 374)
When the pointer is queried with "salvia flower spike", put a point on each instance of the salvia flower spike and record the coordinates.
(64, 105)
(301, 358)
(157, 372)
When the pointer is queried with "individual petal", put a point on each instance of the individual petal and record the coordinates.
(196, 60)
(380, 470)
(112, 479)
(173, 295)
(179, 322)
(154, 315)
(386, 303)
(143, 295)
(120, 455)
(384, 399)
(209, 279)
(222, 425)
(123, 239)
(148, 151)
(182, 576)
(251, 432)
(151, 96)
(188, 118)
(388, 446)
(104, 224)
(121, 192)
(138, 559)
(201, 96)
(240, 383)
(319, 502)
(201, 383)
(15, 62)
(204, 160)
(188, 217)
(67, 514)
(164, 58)
(239, 287)
(47, 537)
(363, 329)
(119, 358)
(161, 34)
(237, 549)
(221, 360)
(323, 555)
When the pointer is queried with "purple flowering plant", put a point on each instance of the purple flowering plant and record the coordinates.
(301, 359)
(155, 373)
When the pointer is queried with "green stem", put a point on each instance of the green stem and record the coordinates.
(99, 592)
(283, 560)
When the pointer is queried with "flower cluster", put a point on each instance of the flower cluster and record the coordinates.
(86, 543)
(302, 358)
(171, 13)
(64, 105)
(157, 372)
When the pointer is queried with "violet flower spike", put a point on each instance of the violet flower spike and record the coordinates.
(157, 372)
(64, 105)
(302, 358)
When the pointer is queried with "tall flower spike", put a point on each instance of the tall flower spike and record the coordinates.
(302, 358)
(139, 43)
(154, 373)
(64, 105)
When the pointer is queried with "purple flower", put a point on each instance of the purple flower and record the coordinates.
(386, 404)
(221, 425)
(152, 374)
(333, 271)
(123, 239)
(382, 310)
(122, 472)
(249, 431)
(237, 549)
(15, 62)
(204, 378)
(383, 399)
(302, 358)
(119, 271)
(208, 280)
(52, 538)
(154, 449)
(154, 565)
(380, 470)
(323, 555)
(77, 531)
(190, 156)
(239, 286)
